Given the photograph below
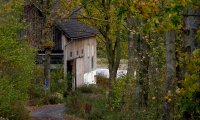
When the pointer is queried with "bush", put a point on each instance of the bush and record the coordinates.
(74, 102)
(17, 61)
(90, 103)
(86, 89)
(57, 84)
(15, 112)
(102, 82)
(189, 105)
(36, 89)
(55, 98)
(89, 89)
(119, 87)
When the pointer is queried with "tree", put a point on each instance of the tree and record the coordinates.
(45, 40)
(16, 62)
(107, 18)
(138, 13)
(189, 105)
(161, 16)
(154, 42)
(170, 74)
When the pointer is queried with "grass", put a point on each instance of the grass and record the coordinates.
(90, 102)
(103, 63)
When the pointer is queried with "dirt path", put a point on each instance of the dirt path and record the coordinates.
(49, 112)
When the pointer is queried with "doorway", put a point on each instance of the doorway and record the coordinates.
(70, 75)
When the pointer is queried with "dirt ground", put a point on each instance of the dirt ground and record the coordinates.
(57, 112)
(50, 112)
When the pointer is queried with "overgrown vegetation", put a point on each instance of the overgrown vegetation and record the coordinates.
(89, 102)
(160, 38)
(163, 40)
(16, 63)
(189, 104)
(58, 87)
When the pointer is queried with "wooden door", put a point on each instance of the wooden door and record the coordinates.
(79, 71)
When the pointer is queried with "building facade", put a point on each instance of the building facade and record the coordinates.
(74, 44)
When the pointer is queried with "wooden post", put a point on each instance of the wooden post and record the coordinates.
(47, 68)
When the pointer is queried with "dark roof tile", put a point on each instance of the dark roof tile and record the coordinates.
(71, 27)
(76, 30)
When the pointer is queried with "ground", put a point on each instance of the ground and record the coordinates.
(57, 112)
(103, 63)
(50, 112)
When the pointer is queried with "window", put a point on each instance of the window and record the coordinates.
(92, 62)
(77, 52)
(70, 54)
(57, 39)
(82, 51)
(88, 50)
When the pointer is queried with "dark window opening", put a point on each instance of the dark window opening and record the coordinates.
(70, 54)
(77, 52)
(69, 75)
(92, 62)
(57, 35)
(82, 51)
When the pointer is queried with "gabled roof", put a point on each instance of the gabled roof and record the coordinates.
(76, 30)
(71, 28)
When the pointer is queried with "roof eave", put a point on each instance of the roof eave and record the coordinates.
(82, 37)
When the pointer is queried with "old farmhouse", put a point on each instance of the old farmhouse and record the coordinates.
(74, 43)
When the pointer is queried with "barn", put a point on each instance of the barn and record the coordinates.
(74, 43)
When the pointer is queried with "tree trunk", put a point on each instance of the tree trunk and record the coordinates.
(138, 62)
(131, 55)
(170, 75)
(191, 22)
(142, 84)
(132, 38)
(144, 79)
(113, 56)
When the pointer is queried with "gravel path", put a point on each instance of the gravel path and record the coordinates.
(49, 112)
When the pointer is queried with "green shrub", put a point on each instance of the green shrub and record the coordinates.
(102, 81)
(15, 112)
(36, 89)
(86, 89)
(99, 110)
(90, 103)
(57, 83)
(19, 112)
(17, 62)
(118, 91)
(55, 98)
(85, 106)
(189, 105)
(58, 86)
(74, 102)
(90, 89)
